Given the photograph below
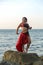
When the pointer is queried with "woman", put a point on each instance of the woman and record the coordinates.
(24, 37)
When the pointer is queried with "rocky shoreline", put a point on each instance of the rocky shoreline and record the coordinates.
(18, 58)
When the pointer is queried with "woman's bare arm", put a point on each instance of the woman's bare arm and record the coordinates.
(18, 28)
(28, 26)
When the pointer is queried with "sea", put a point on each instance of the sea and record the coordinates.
(8, 39)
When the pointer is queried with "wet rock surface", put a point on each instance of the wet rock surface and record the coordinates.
(19, 58)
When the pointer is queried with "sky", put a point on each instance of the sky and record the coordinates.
(12, 11)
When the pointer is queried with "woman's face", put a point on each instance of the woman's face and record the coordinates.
(23, 20)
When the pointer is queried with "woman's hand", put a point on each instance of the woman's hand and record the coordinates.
(30, 28)
(17, 32)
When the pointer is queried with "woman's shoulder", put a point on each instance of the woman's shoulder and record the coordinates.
(21, 24)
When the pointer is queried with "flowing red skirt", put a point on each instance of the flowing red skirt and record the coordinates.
(23, 39)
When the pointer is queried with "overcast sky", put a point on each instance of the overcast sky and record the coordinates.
(12, 11)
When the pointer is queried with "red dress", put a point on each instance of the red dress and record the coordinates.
(23, 39)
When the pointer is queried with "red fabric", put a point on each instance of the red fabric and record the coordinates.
(23, 39)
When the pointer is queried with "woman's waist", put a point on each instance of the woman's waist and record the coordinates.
(24, 29)
(26, 33)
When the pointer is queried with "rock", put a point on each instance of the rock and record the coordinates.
(5, 63)
(21, 58)
(8, 63)
(41, 58)
(38, 63)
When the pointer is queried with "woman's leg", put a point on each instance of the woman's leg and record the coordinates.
(28, 44)
(29, 41)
